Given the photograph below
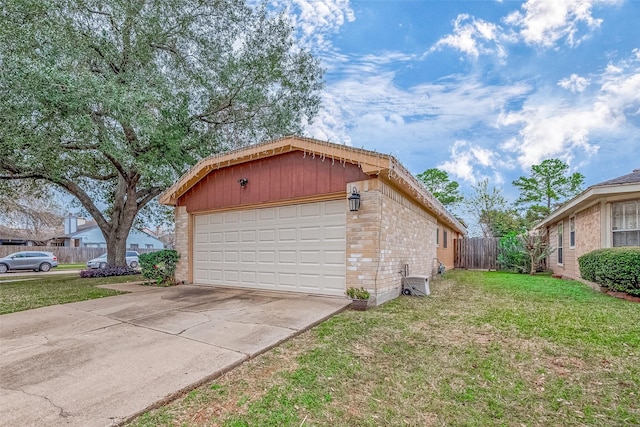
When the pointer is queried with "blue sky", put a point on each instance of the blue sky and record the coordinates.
(481, 89)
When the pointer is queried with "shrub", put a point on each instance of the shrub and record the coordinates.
(358, 293)
(160, 266)
(512, 255)
(616, 268)
(108, 272)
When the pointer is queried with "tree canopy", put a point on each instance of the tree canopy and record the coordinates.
(438, 183)
(491, 211)
(549, 185)
(112, 100)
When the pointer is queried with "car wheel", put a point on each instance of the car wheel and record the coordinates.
(3, 268)
(134, 264)
(45, 266)
(103, 265)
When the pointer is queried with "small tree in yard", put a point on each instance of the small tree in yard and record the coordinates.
(523, 252)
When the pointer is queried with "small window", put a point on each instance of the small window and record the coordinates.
(444, 239)
(149, 246)
(437, 236)
(572, 232)
(134, 246)
(560, 235)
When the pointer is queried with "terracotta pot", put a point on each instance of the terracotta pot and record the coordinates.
(360, 304)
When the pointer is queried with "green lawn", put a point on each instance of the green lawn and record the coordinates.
(486, 349)
(18, 293)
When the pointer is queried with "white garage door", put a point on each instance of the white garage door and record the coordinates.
(299, 248)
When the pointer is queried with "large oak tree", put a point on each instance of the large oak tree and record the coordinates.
(112, 100)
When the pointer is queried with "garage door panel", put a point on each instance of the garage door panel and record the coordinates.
(290, 248)
(267, 236)
(310, 210)
(310, 234)
(287, 257)
(248, 257)
(267, 257)
(216, 257)
(310, 258)
(248, 236)
(287, 235)
(248, 277)
(334, 283)
(287, 212)
(334, 258)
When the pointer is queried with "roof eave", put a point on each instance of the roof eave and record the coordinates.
(587, 198)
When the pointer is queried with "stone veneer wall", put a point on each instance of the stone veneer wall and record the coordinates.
(387, 232)
(182, 243)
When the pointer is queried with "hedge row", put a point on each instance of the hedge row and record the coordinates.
(616, 268)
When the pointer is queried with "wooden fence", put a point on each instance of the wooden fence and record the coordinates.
(477, 253)
(65, 255)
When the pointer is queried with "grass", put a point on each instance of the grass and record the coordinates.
(18, 293)
(486, 349)
(80, 266)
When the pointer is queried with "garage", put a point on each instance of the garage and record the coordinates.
(301, 215)
(296, 248)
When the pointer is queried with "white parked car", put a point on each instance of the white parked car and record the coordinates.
(101, 261)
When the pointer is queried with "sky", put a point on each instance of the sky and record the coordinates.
(480, 89)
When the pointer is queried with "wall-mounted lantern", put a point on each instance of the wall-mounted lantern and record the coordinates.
(354, 200)
(243, 182)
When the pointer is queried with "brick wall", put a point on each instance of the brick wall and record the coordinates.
(182, 243)
(387, 232)
(588, 232)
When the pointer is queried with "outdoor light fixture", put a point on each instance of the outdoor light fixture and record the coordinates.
(243, 182)
(354, 200)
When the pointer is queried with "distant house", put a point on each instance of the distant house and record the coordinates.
(14, 237)
(605, 215)
(87, 234)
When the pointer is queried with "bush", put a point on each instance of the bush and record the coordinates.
(512, 255)
(358, 293)
(616, 268)
(108, 272)
(160, 266)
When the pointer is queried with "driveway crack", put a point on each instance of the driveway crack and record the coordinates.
(61, 412)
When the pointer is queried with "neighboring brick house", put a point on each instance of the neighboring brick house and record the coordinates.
(275, 216)
(603, 216)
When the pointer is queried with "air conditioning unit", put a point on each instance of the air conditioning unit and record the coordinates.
(416, 285)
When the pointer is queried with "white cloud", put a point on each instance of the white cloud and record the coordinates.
(553, 128)
(316, 19)
(473, 37)
(545, 22)
(539, 22)
(574, 83)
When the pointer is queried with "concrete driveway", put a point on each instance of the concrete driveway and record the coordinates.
(100, 362)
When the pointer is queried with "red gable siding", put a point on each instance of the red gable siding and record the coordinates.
(287, 176)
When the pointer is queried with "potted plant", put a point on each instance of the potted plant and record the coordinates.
(360, 297)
